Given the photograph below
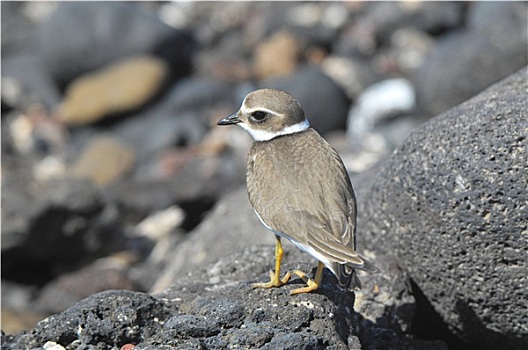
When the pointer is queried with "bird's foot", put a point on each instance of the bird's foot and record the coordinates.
(311, 285)
(275, 281)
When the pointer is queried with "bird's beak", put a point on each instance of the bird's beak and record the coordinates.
(230, 120)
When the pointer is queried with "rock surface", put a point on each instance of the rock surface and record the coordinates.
(231, 226)
(216, 308)
(450, 204)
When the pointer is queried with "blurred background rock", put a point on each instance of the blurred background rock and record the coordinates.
(111, 160)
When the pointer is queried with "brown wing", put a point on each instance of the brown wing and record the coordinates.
(299, 186)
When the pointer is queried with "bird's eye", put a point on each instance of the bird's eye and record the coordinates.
(259, 115)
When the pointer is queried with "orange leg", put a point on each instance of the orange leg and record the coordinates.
(312, 284)
(275, 280)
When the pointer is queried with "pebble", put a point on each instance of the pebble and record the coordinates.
(382, 100)
(50, 345)
(282, 45)
(104, 160)
(120, 87)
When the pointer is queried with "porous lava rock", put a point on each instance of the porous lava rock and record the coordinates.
(215, 307)
(451, 205)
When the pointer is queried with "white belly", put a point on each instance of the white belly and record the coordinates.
(302, 247)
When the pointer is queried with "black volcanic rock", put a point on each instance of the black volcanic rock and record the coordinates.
(111, 317)
(451, 206)
(216, 308)
(53, 226)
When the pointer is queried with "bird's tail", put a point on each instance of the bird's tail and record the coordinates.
(347, 275)
(367, 266)
(348, 278)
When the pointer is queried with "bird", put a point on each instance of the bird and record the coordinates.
(299, 189)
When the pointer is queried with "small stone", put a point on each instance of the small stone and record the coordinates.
(53, 346)
(161, 223)
(51, 167)
(382, 100)
(104, 160)
(411, 48)
(127, 347)
(352, 75)
(276, 56)
(119, 87)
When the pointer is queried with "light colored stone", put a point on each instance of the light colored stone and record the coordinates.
(104, 160)
(276, 56)
(120, 87)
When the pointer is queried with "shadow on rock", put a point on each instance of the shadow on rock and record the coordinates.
(215, 307)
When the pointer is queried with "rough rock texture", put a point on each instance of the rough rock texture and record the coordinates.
(216, 308)
(451, 205)
(110, 318)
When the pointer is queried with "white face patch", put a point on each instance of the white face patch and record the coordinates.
(264, 135)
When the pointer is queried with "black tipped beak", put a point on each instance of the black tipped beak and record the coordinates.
(229, 120)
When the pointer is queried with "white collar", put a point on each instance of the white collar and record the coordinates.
(264, 135)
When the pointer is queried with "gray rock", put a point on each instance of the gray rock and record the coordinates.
(111, 318)
(156, 131)
(386, 299)
(450, 205)
(26, 81)
(230, 227)
(17, 28)
(181, 118)
(80, 37)
(52, 226)
(70, 288)
(199, 93)
(216, 308)
(431, 17)
(192, 326)
(377, 22)
(324, 102)
(465, 63)
(202, 181)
